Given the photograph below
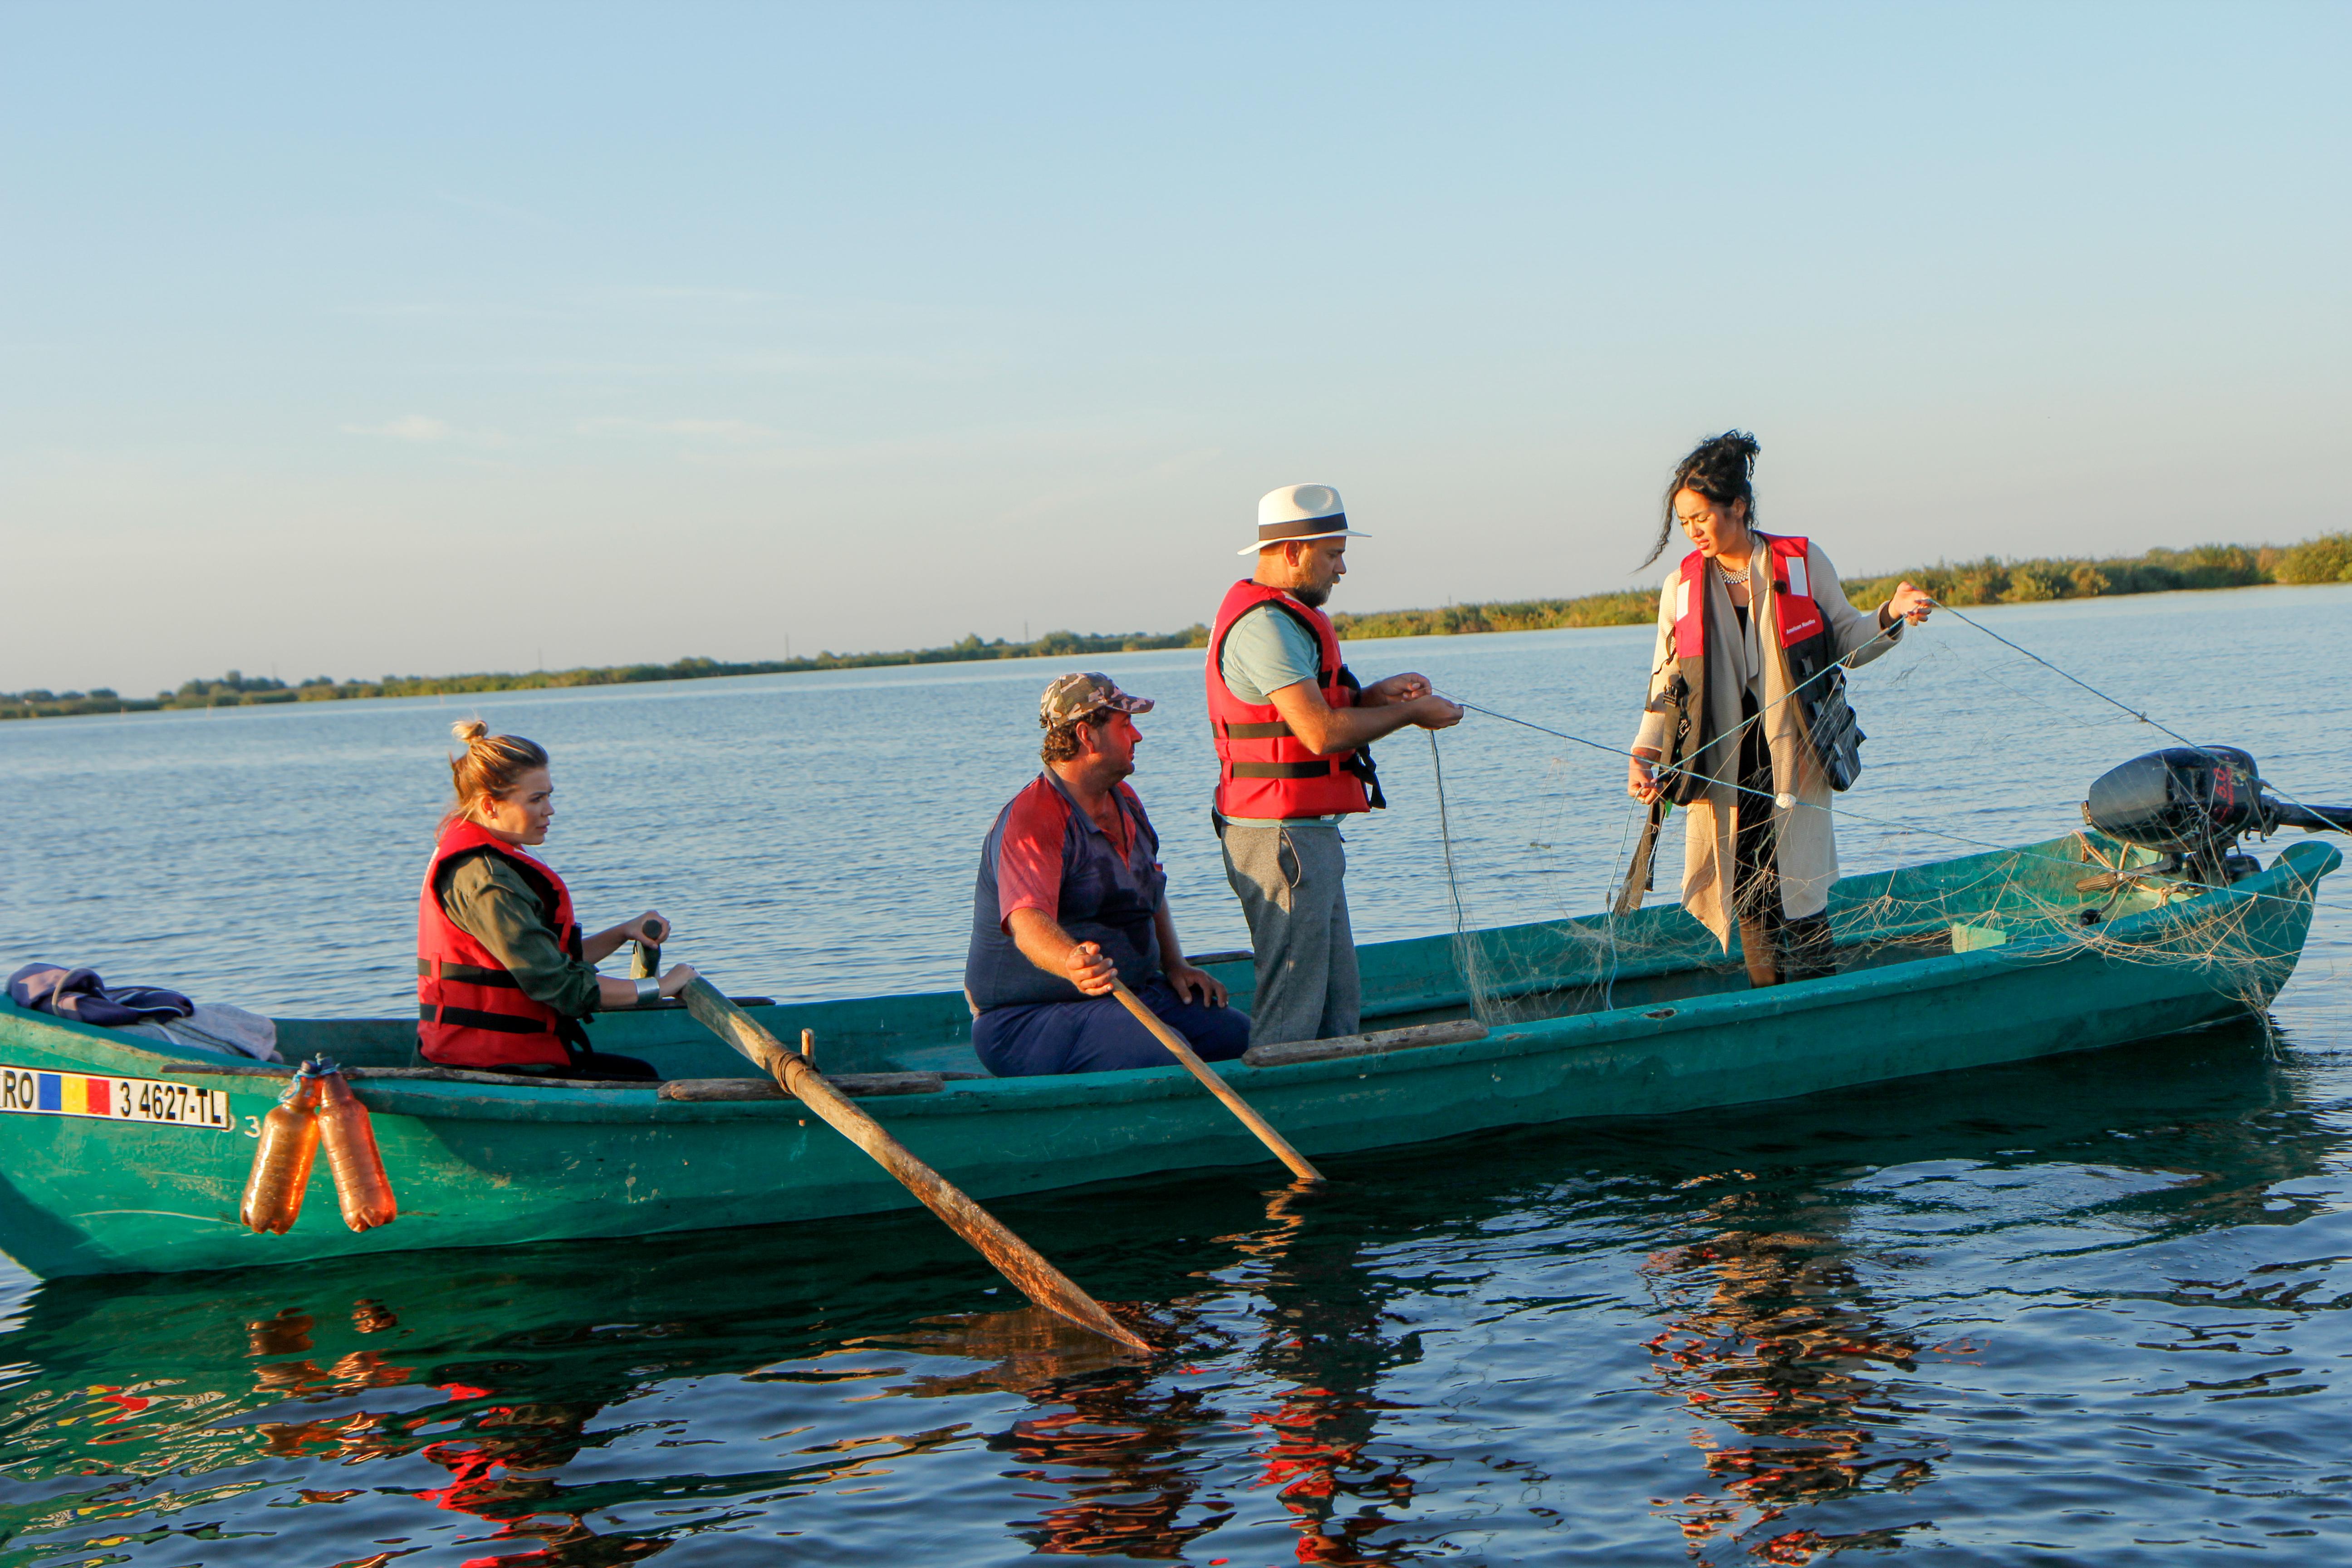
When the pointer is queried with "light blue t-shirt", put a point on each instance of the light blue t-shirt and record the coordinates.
(1266, 651)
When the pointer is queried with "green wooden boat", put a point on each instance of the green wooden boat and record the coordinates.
(118, 1154)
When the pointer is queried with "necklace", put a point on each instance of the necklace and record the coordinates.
(1733, 579)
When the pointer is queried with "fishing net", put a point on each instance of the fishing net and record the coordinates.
(1527, 890)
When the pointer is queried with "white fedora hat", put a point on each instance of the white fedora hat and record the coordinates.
(1299, 512)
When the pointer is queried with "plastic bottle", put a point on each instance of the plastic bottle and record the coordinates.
(360, 1185)
(281, 1163)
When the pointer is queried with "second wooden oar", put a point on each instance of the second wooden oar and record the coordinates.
(1637, 874)
(1012, 1257)
(1216, 1085)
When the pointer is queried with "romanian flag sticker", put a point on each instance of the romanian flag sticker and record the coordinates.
(154, 1101)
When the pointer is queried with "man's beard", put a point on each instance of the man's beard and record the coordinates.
(1311, 597)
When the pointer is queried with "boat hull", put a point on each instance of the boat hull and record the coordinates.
(493, 1165)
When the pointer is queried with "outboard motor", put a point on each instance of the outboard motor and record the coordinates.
(2191, 803)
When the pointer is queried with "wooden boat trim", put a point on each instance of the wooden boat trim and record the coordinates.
(418, 1075)
(855, 1084)
(1373, 1043)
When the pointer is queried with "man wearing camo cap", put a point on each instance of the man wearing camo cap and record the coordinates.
(1070, 893)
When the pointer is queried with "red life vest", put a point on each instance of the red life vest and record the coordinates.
(1800, 618)
(470, 1012)
(1264, 770)
(1804, 638)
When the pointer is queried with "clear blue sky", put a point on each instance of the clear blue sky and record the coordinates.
(359, 339)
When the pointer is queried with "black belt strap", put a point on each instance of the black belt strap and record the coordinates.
(466, 974)
(467, 1018)
(1273, 732)
(1282, 770)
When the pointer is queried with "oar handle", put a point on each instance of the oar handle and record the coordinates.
(1216, 1085)
(646, 963)
(1012, 1257)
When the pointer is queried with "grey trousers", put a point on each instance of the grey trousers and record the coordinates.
(1292, 884)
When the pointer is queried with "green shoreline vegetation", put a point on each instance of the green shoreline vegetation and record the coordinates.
(2326, 559)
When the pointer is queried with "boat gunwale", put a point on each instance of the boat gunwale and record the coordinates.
(2298, 866)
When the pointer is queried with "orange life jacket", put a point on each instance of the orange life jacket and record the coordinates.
(1264, 770)
(470, 1012)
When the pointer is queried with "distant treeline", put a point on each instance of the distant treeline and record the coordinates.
(2328, 559)
(238, 690)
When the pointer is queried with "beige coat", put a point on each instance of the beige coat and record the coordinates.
(1808, 843)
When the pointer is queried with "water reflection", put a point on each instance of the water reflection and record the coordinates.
(1800, 1377)
(1771, 1333)
(502, 1472)
(1115, 1448)
(1112, 1440)
(1125, 1445)
(1329, 1337)
(1320, 1352)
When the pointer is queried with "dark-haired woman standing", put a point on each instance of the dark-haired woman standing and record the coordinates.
(1744, 703)
(504, 979)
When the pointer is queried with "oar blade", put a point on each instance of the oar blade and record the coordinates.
(1242, 1109)
(1020, 1263)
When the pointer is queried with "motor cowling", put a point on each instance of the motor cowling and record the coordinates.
(2183, 800)
(2195, 802)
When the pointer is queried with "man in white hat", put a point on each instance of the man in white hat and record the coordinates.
(1291, 726)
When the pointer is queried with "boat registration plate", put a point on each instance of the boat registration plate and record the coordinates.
(32, 1091)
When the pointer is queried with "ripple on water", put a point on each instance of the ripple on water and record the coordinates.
(1659, 1343)
(2088, 1311)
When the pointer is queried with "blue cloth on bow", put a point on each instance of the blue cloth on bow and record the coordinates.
(81, 995)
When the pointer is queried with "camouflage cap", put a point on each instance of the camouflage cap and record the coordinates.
(1076, 696)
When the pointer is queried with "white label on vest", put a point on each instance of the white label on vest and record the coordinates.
(1797, 584)
(113, 1098)
(1682, 599)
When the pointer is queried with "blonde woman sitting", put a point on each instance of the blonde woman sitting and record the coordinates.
(505, 980)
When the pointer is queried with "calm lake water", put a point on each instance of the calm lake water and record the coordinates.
(2091, 1309)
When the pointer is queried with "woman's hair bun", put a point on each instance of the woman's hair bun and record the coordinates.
(1723, 469)
(490, 765)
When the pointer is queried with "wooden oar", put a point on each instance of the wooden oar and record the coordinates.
(1216, 1085)
(1012, 1257)
(1637, 874)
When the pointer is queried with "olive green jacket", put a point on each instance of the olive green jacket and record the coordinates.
(488, 900)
